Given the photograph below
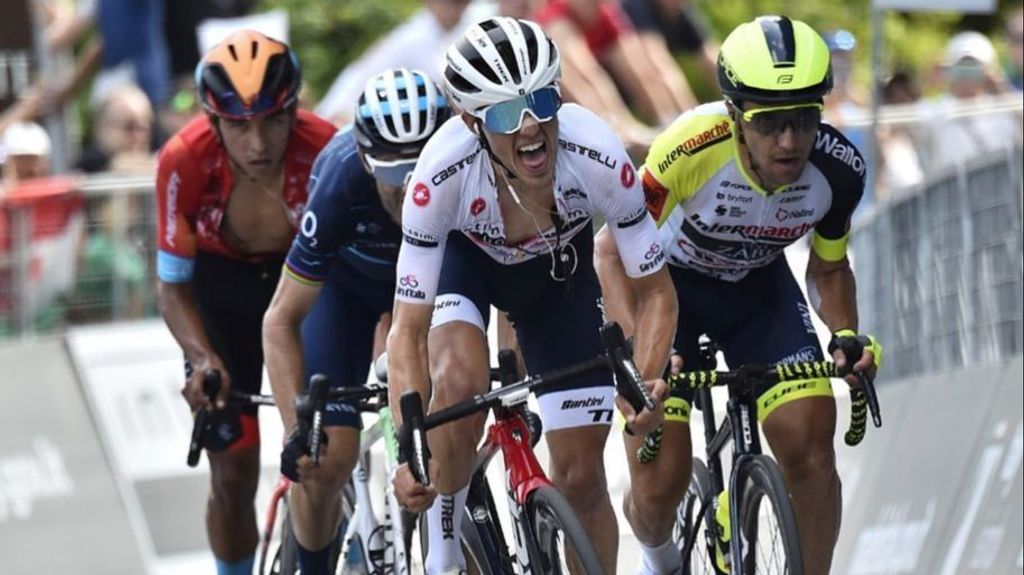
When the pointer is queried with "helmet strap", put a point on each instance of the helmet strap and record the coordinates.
(486, 145)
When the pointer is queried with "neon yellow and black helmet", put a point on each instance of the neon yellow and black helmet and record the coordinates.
(774, 60)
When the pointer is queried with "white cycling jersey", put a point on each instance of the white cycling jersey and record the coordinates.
(453, 189)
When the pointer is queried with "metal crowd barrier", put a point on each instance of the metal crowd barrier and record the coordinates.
(90, 263)
(939, 272)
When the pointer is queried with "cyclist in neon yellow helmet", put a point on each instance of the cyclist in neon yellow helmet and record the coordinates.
(731, 184)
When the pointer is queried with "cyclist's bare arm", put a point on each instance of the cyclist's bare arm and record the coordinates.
(407, 370)
(282, 341)
(619, 298)
(178, 308)
(657, 311)
(832, 291)
(648, 306)
(408, 367)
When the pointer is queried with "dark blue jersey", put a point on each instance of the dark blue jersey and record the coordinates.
(344, 218)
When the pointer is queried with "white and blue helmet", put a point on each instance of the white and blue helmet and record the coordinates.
(398, 112)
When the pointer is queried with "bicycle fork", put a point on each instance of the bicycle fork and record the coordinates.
(523, 474)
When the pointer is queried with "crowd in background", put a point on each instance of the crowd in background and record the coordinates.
(134, 59)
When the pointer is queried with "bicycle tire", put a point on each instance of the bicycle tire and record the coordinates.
(698, 559)
(770, 546)
(286, 560)
(550, 514)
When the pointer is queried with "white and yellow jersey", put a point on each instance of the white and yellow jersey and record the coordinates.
(714, 218)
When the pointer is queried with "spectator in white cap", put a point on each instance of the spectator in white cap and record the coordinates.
(1015, 47)
(964, 126)
(24, 152)
(969, 66)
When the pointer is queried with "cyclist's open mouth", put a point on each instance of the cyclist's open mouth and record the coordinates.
(533, 157)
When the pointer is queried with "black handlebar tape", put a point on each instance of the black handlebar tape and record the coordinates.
(412, 419)
(211, 384)
(211, 387)
(628, 378)
(508, 367)
(319, 385)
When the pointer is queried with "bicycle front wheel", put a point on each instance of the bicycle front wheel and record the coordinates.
(690, 531)
(557, 532)
(766, 518)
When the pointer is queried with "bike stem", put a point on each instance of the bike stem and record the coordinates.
(524, 473)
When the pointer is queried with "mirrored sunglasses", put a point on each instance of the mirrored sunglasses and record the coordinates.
(507, 117)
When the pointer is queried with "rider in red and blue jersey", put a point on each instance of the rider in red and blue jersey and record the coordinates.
(231, 186)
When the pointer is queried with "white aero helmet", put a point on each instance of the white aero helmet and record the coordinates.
(499, 59)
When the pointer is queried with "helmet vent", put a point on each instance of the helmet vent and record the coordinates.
(531, 45)
(234, 55)
(255, 48)
(778, 33)
(458, 82)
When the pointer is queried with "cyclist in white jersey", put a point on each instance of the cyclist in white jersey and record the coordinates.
(498, 212)
(731, 184)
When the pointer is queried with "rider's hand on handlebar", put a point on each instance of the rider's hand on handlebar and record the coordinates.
(193, 391)
(870, 358)
(647, 420)
(413, 495)
(675, 364)
(296, 463)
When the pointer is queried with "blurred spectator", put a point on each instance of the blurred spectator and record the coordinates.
(613, 43)
(181, 18)
(112, 279)
(121, 134)
(417, 44)
(672, 27)
(961, 129)
(134, 48)
(1015, 48)
(521, 9)
(900, 88)
(24, 153)
(585, 82)
(899, 167)
(40, 224)
(848, 100)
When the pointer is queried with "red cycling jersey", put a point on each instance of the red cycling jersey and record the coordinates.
(194, 182)
(601, 29)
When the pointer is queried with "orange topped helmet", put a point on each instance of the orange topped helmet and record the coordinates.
(247, 75)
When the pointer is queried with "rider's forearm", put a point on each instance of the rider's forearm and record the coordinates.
(833, 293)
(617, 295)
(179, 310)
(656, 313)
(282, 350)
(407, 366)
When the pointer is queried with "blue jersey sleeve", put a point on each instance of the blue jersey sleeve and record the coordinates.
(327, 221)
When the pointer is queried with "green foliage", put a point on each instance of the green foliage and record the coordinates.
(328, 34)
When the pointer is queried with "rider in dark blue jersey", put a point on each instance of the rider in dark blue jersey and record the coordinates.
(338, 281)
